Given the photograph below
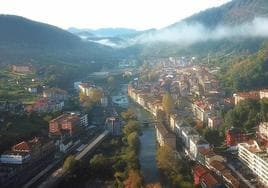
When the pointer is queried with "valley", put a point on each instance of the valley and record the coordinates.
(181, 105)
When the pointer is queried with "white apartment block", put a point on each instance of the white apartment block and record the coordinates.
(264, 93)
(255, 158)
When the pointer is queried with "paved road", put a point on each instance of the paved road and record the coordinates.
(59, 173)
(41, 174)
(90, 146)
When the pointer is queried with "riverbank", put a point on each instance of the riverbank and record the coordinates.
(148, 147)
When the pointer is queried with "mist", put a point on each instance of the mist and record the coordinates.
(187, 34)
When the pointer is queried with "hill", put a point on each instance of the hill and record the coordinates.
(232, 13)
(235, 28)
(247, 74)
(106, 32)
(22, 39)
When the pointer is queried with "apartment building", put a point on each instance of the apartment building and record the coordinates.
(255, 158)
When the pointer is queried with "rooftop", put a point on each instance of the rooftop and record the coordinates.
(200, 170)
(209, 180)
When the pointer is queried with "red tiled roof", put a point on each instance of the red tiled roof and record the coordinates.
(201, 105)
(217, 165)
(209, 180)
(22, 146)
(251, 94)
(200, 170)
(204, 151)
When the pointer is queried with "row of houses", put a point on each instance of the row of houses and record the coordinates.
(255, 95)
(196, 147)
(52, 100)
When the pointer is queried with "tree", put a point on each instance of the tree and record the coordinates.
(131, 126)
(129, 114)
(264, 109)
(166, 160)
(134, 179)
(70, 163)
(245, 115)
(176, 170)
(168, 103)
(99, 161)
(111, 82)
(213, 137)
(47, 118)
(96, 95)
(8, 126)
(133, 140)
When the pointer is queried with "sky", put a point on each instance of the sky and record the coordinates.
(136, 14)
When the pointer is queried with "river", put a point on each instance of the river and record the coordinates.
(147, 148)
(148, 143)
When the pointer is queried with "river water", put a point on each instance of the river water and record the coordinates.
(147, 147)
(148, 143)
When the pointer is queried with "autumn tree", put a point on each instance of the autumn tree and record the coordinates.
(70, 163)
(96, 95)
(133, 140)
(168, 103)
(166, 160)
(134, 180)
(129, 114)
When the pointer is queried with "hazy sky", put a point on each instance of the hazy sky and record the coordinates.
(138, 14)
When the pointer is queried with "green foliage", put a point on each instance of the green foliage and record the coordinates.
(190, 120)
(245, 115)
(17, 127)
(89, 101)
(247, 74)
(129, 115)
(132, 126)
(111, 82)
(213, 137)
(166, 160)
(264, 109)
(176, 170)
(70, 164)
(129, 160)
(100, 165)
(168, 103)
(133, 140)
(134, 179)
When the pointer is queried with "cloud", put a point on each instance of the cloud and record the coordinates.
(187, 34)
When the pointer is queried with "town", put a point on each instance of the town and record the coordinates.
(187, 104)
(196, 93)
(134, 94)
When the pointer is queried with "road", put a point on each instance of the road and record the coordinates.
(90, 146)
(41, 174)
(56, 176)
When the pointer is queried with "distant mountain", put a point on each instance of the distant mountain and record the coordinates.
(112, 37)
(237, 27)
(106, 32)
(22, 39)
(232, 13)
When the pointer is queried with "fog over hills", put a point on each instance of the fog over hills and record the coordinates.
(239, 26)
(238, 19)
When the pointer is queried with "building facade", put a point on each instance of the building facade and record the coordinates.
(255, 158)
